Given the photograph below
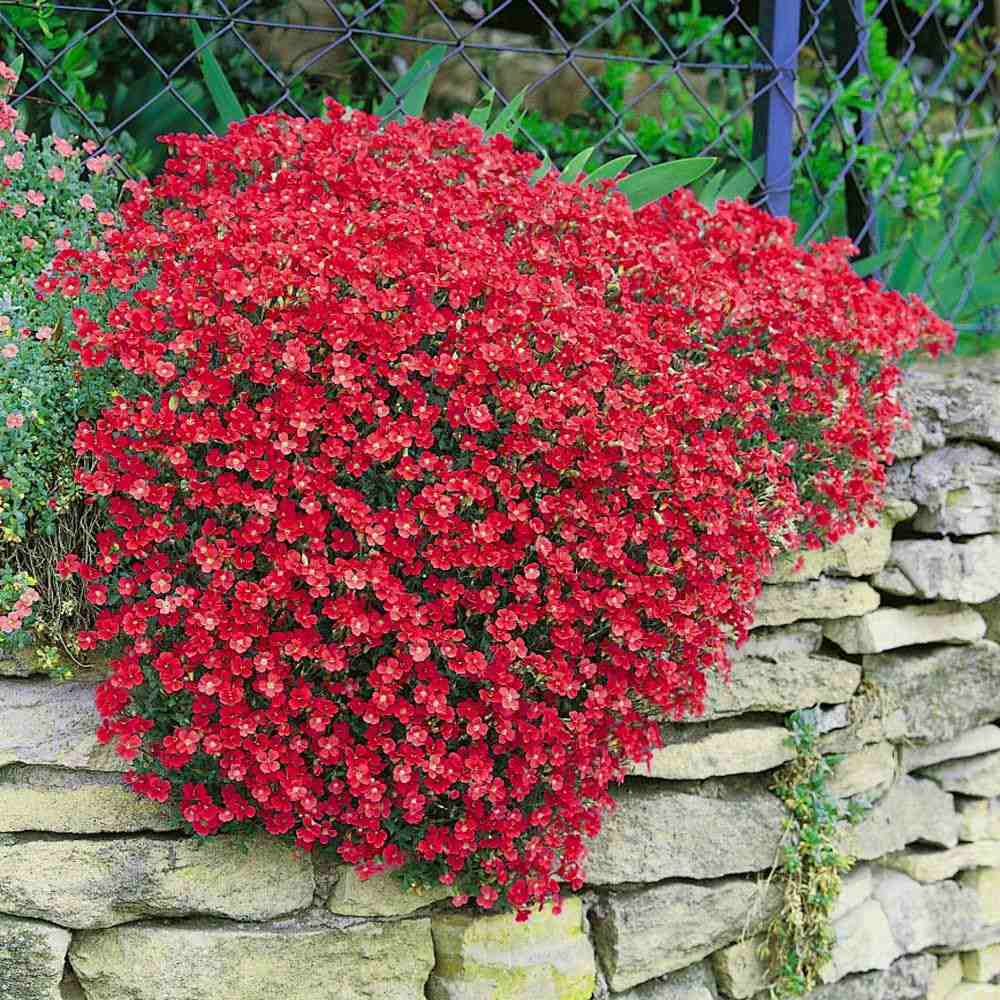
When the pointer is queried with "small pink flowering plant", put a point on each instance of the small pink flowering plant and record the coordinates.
(54, 195)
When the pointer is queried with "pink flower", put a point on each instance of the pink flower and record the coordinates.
(89, 146)
(14, 161)
(44, 333)
(87, 202)
(8, 351)
(106, 218)
(19, 211)
(63, 244)
(62, 147)
(15, 420)
(21, 137)
(56, 174)
(28, 243)
(4, 484)
(98, 164)
(35, 198)
(6, 73)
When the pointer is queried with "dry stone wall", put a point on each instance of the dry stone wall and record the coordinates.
(890, 639)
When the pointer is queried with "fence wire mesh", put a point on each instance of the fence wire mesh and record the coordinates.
(872, 118)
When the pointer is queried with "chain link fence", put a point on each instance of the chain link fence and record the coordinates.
(872, 118)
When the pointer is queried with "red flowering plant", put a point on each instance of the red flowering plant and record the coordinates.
(449, 487)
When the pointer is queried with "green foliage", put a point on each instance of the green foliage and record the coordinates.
(799, 939)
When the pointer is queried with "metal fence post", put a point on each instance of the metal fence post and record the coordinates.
(774, 102)
(852, 62)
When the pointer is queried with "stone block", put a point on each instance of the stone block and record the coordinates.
(981, 965)
(947, 976)
(991, 615)
(943, 691)
(983, 739)
(781, 684)
(84, 883)
(58, 800)
(891, 628)
(932, 568)
(978, 776)
(956, 489)
(729, 746)
(379, 896)
(741, 969)
(855, 888)
(861, 553)
(926, 865)
(494, 956)
(939, 915)
(867, 719)
(645, 934)
(45, 723)
(863, 770)
(863, 941)
(781, 604)
(695, 982)
(21, 663)
(905, 979)
(797, 639)
(291, 959)
(32, 956)
(657, 832)
(912, 810)
(975, 991)
(985, 883)
(979, 819)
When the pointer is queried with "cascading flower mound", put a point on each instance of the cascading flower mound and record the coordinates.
(447, 487)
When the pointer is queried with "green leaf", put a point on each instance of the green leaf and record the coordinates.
(653, 183)
(742, 181)
(414, 85)
(480, 114)
(574, 168)
(541, 171)
(709, 194)
(17, 65)
(509, 120)
(225, 100)
(610, 169)
(869, 265)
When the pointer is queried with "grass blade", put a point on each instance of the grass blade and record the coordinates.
(226, 102)
(574, 168)
(414, 85)
(610, 169)
(653, 183)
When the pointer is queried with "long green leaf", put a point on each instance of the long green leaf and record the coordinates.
(610, 169)
(480, 114)
(225, 100)
(574, 168)
(869, 265)
(17, 65)
(508, 121)
(541, 171)
(414, 85)
(709, 194)
(653, 183)
(742, 181)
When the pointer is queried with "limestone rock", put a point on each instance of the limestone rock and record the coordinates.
(890, 628)
(985, 883)
(975, 991)
(978, 775)
(32, 956)
(695, 982)
(780, 685)
(729, 746)
(21, 663)
(780, 604)
(863, 941)
(42, 722)
(975, 741)
(740, 969)
(991, 615)
(943, 691)
(494, 956)
(797, 639)
(868, 718)
(293, 959)
(979, 819)
(861, 553)
(946, 977)
(58, 800)
(912, 810)
(940, 568)
(656, 833)
(956, 489)
(645, 934)
(866, 769)
(933, 866)
(949, 399)
(905, 979)
(82, 883)
(855, 888)
(379, 896)
(939, 915)
(981, 965)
